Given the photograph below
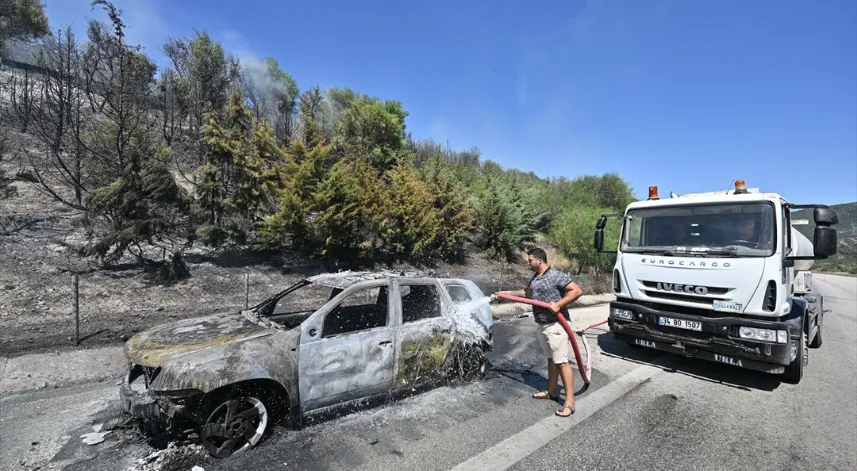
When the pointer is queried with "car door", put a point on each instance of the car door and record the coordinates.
(424, 334)
(347, 350)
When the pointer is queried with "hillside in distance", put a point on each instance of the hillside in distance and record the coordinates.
(845, 260)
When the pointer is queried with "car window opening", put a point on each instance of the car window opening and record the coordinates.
(458, 293)
(419, 302)
(364, 309)
(295, 307)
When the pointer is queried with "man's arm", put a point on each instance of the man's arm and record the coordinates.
(524, 293)
(572, 292)
(521, 293)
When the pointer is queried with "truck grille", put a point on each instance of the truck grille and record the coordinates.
(770, 297)
(713, 294)
(687, 298)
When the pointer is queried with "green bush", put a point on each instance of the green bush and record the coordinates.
(574, 232)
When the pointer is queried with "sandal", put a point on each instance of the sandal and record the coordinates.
(560, 412)
(545, 395)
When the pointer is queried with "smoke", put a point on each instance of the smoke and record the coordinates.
(266, 86)
(259, 85)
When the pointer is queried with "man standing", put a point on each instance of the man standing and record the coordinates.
(558, 289)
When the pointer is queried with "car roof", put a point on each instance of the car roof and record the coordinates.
(345, 279)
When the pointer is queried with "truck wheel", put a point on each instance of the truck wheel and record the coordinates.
(794, 372)
(816, 341)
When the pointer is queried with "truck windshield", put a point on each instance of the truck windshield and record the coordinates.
(738, 230)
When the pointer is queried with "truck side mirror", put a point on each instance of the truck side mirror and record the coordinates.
(825, 217)
(599, 232)
(824, 240)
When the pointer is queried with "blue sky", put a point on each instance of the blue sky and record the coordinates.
(684, 94)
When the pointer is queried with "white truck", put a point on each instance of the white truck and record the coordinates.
(721, 276)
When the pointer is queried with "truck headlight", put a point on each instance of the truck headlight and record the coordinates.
(763, 335)
(623, 314)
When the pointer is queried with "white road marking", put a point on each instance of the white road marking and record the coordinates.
(517, 447)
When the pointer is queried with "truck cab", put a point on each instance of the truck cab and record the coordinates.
(712, 276)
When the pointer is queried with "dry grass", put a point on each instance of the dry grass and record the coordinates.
(555, 258)
(558, 260)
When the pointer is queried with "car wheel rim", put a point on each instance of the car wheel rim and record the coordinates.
(234, 426)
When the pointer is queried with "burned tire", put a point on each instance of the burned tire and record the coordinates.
(470, 363)
(794, 372)
(235, 425)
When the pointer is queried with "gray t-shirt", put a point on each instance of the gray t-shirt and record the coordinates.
(549, 288)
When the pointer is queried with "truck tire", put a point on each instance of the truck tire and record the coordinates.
(819, 305)
(794, 372)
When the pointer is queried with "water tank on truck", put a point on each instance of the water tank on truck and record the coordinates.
(801, 247)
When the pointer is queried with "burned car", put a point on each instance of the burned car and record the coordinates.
(371, 335)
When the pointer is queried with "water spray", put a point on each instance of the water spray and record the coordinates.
(585, 370)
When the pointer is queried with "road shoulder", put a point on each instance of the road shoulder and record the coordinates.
(57, 369)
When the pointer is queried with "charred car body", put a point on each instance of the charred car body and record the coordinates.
(374, 335)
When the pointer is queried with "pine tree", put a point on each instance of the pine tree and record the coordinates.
(340, 214)
(292, 226)
(256, 177)
(410, 223)
(505, 222)
(450, 201)
(491, 223)
(144, 205)
(238, 175)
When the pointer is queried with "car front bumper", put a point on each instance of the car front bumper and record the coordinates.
(154, 410)
(140, 405)
(715, 343)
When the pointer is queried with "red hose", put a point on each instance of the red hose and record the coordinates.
(594, 325)
(585, 370)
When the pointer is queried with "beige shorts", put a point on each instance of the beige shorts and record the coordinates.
(554, 342)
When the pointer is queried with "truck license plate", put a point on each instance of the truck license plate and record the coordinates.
(680, 323)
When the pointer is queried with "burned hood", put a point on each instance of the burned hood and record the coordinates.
(158, 345)
(259, 356)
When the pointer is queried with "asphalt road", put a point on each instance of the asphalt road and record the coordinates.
(643, 410)
(708, 417)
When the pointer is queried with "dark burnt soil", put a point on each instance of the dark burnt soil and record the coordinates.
(37, 257)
